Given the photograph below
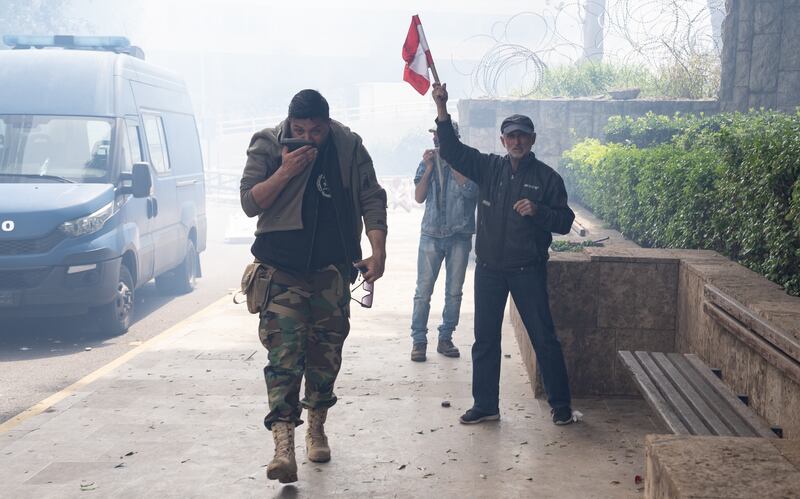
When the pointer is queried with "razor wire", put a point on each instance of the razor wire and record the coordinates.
(651, 33)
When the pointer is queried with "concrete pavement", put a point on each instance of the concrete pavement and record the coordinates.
(181, 416)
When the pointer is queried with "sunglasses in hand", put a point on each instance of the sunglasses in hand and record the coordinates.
(368, 288)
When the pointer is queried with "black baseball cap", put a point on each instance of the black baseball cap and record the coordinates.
(517, 122)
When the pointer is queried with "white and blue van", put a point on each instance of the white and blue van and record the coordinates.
(101, 179)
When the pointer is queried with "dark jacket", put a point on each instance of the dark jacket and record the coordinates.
(506, 239)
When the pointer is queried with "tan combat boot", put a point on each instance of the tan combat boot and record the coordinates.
(283, 466)
(316, 441)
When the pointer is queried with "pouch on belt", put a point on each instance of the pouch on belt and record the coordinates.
(255, 284)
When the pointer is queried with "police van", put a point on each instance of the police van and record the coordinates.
(101, 179)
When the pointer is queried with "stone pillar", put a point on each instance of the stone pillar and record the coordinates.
(761, 55)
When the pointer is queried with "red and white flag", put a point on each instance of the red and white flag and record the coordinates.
(418, 57)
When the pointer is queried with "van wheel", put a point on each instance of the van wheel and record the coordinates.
(116, 316)
(181, 279)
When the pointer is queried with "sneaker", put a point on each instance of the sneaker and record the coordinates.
(446, 348)
(418, 352)
(473, 416)
(562, 415)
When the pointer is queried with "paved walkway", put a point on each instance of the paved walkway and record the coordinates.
(181, 416)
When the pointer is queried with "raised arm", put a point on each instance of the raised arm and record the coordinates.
(466, 160)
(422, 179)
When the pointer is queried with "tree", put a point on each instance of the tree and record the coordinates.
(717, 12)
(593, 26)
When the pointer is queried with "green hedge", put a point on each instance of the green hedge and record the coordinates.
(730, 183)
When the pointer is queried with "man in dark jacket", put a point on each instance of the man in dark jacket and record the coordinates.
(521, 202)
(310, 204)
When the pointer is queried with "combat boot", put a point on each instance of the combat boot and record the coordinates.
(316, 441)
(283, 466)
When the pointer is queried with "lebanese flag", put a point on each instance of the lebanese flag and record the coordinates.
(418, 57)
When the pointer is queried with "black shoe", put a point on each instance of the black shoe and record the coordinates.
(562, 415)
(446, 348)
(473, 416)
(418, 352)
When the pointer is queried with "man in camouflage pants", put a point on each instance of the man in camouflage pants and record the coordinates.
(310, 204)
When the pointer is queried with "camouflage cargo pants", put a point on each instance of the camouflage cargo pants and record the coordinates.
(303, 328)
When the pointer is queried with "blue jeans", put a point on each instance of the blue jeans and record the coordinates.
(454, 250)
(528, 288)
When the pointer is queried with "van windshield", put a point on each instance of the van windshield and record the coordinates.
(37, 148)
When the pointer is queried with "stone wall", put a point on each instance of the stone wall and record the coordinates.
(761, 55)
(601, 304)
(609, 299)
(559, 123)
(774, 393)
(688, 467)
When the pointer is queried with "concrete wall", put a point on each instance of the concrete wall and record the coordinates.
(609, 299)
(559, 123)
(773, 394)
(602, 303)
(761, 55)
(689, 467)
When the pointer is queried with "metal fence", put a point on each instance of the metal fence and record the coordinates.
(222, 186)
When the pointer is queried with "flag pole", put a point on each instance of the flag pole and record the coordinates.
(428, 53)
(433, 70)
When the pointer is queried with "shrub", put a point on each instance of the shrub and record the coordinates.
(648, 130)
(589, 79)
(693, 76)
(730, 183)
(697, 77)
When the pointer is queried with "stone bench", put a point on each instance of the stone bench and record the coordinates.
(691, 301)
(689, 398)
(692, 467)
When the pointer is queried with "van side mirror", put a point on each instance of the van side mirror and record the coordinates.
(140, 181)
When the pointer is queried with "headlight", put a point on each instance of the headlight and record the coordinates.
(89, 224)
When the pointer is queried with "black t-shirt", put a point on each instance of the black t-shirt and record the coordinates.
(320, 242)
(328, 246)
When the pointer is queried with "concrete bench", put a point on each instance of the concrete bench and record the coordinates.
(691, 467)
(689, 397)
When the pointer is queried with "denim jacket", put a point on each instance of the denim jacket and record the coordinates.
(454, 211)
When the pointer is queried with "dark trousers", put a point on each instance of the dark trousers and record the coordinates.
(528, 288)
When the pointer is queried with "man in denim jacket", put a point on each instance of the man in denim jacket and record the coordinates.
(447, 228)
